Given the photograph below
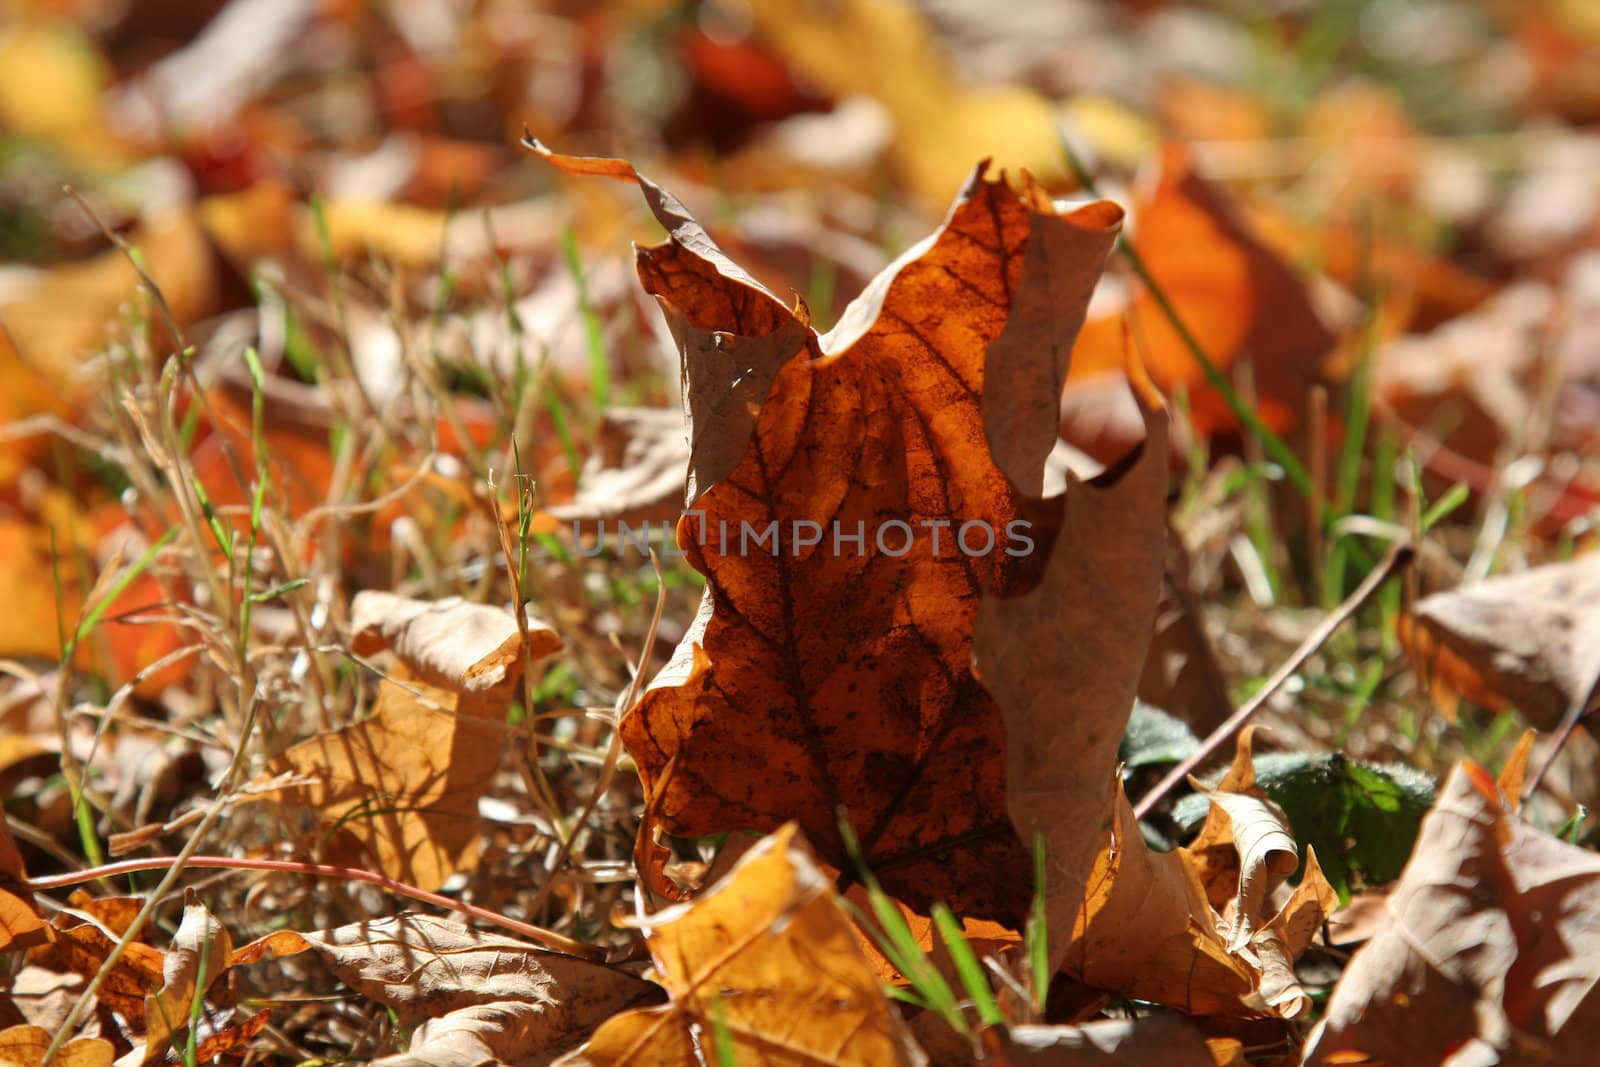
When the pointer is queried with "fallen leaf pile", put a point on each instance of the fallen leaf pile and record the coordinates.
(470, 605)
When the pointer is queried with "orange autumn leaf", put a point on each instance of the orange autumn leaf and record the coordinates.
(56, 319)
(24, 1046)
(1240, 301)
(835, 676)
(130, 635)
(80, 944)
(20, 924)
(768, 956)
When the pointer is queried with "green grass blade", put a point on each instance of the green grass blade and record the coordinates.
(894, 937)
(92, 618)
(968, 969)
(599, 365)
(1274, 445)
(1037, 934)
(1453, 498)
(721, 1036)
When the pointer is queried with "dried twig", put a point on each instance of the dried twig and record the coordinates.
(1398, 558)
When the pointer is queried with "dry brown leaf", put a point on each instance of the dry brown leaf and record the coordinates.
(1273, 948)
(1267, 856)
(827, 675)
(1491, 949)
(199, 952)
(471, 997)
(1063, 662)
(1145, 928)
(231, 1038)
(1213, 853)
(1470, 382)
(403, 785)
(1181, 672)
(638, 475)
(1242, 855)
(1529, 641)
(24, 1046)
(1163, 1039)
(769, 954)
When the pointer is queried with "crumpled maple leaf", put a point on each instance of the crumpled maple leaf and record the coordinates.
(1490, 952)
(769, 956)
(836, 675)
(468, 997)
(403, 784)
(1241, 856)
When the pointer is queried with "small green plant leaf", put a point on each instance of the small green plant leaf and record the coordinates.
(1155, 737)
(1362, 818)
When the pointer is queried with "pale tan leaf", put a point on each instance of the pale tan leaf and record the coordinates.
(1063, 662)
(1267, 855)
(1213, 854)
(402, 785)
(1163, 1039)
(471, 997)
(1274, 948)
(1529, 640)
(198, 954)
(638, 475)
(449, 643)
